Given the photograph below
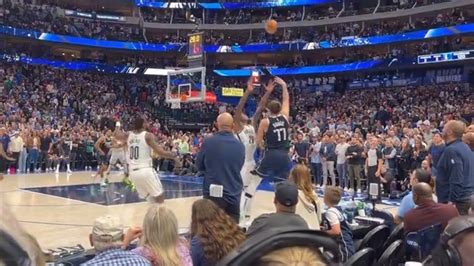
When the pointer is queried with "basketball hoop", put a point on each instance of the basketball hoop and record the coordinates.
(189, 82)
(183, 98)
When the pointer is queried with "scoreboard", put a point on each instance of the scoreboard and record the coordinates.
(446, 57)
(195, 49)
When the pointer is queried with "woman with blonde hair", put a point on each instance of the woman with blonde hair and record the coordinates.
(309, 206)
(160, 242)
(293, 256)
(214, 233)
(419, 153)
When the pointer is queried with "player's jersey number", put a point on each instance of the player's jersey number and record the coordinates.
(281, 134)
(134, 152)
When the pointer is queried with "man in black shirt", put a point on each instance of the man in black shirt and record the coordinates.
(46, 143)
(81, 153)
(354, 162)
(382, 115)
(74, 151)
(273, 138)
(302, 147)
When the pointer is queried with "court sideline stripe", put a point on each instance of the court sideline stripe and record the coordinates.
(47, 205)
(62, 198)
(60, 224)
(73, 225)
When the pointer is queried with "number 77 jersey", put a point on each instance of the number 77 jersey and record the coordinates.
(138, 153)
(277, 135)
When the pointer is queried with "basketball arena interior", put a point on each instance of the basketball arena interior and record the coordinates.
(237, 132)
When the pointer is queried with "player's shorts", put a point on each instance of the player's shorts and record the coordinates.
(117, 157)
(103, 159)
(147, 182)
(246, 174)
(3, 164)
(275, 164)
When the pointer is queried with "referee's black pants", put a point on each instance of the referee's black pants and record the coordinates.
(233, 210)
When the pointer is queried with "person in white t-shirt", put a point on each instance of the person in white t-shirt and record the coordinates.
(341, 164)
(315, 131)
(315, 160)
(331, 125)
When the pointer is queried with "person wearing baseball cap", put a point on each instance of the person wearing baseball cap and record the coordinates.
(286, 199)
(107, 240)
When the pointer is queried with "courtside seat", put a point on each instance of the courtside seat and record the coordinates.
(386, 216)
(420, 244)
(358, 232)
(364, 257)
(396, 234)
(393, 255)
(375, 239)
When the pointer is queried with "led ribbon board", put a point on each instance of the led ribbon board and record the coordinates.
(250, 48)
(445, 57)
(232, 5)
(307, 70)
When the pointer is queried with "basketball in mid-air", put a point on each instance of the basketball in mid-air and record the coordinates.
(271, 26)
(184, 97)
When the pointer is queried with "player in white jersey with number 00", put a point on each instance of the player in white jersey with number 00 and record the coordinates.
(140, 144)
(245, 131)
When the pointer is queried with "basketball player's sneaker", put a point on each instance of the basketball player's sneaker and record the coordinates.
(104, 182)
(129, 184)
(245, 224)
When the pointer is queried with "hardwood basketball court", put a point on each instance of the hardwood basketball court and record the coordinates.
(59, 209)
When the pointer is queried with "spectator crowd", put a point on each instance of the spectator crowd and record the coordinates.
(46, 105)
(395, 137)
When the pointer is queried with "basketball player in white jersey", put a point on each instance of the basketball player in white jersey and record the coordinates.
(117, 155)
(140, 145)
(245, 132)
